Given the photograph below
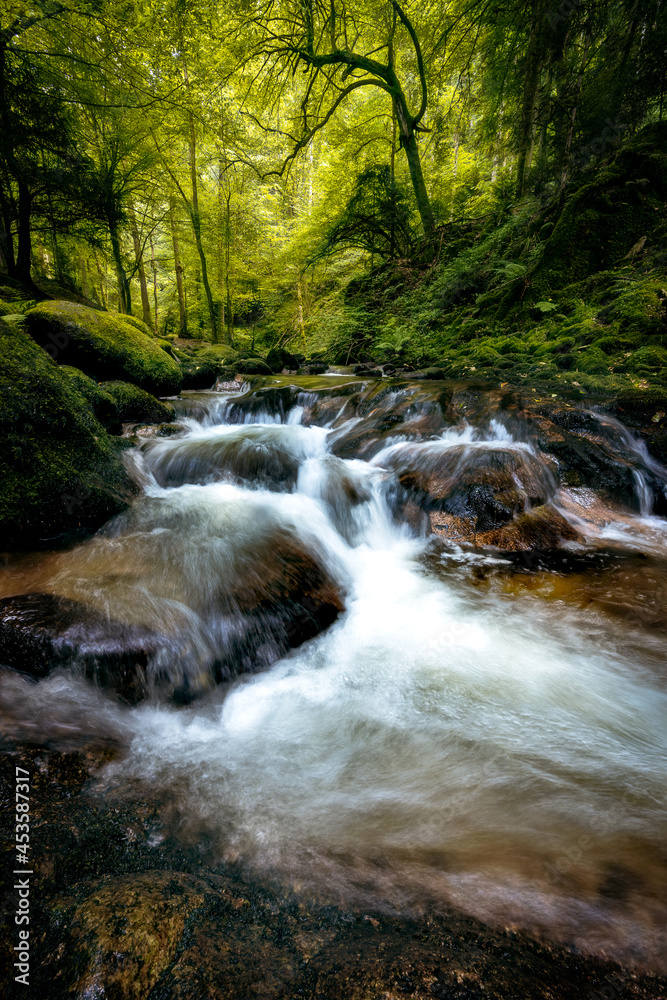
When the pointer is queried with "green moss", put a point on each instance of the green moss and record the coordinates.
(102, 402)
(138, 324)
(199, 373)
(59, 469)
(103, 345)
(134, 405)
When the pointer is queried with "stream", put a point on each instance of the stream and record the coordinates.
(474, 728)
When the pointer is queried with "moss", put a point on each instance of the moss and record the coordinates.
(103, 345)
(603, 221)
(102, 402)
(134, 405)
(651, 359)
(164, 344)
(199, 373)
(60, 470)
(138, 324)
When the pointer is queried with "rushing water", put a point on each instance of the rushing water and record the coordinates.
(460, 736)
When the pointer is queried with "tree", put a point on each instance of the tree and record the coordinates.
(337, 46)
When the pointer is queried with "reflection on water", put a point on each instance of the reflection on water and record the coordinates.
(461, 735)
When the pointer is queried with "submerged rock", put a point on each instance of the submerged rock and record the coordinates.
(103, 345)
(127, 910)
(41, 632)
(484, 484)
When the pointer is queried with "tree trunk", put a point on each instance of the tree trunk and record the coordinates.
(228, 290)
(124, 291)
(182, 312)
(573, 114)
(196, 228)
(530, 102)
(6, 242)
(141, 271)
(22, 267)
(409, 144)
(154, 269)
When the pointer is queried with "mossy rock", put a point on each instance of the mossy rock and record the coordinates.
(101, 401)
(278, 358)
(216, 356)
(198, 373)
(60, 470)
(639, 407)
(650, 359)
(138, 324)
(134, 405)
(164, 344)
(103, 345)
(218, 352)
(252, 366)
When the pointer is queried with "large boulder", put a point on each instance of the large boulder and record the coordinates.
(184, 591)
(60, 470)
(39, 632)
(487, 485)
(135, 405)
(101, 401)
(103, 345)
(199, 373)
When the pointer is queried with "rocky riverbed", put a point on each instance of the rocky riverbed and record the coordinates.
(362, 696)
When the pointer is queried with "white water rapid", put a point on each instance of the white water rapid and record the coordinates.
(444, 742)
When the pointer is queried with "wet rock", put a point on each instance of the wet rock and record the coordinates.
(128, 931)
(389, 411)
(255, 455)
(41, 632)
(174, 602)
(484, 486)
(368, 371)
(534, 531)
(314, 368)
(103, 345)
(591, 460)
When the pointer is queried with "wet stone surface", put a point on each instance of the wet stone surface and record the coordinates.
(122, 910)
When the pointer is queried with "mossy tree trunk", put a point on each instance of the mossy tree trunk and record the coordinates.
(141, 270)
(178, 268)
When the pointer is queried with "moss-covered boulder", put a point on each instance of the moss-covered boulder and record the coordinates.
(102, 402)
(199, 374)
(138, 324)
(134, 405)
(59, 469)
(278, 358)
(221, 354)
(104, 346)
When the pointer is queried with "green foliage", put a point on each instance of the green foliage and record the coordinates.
(375, 219)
